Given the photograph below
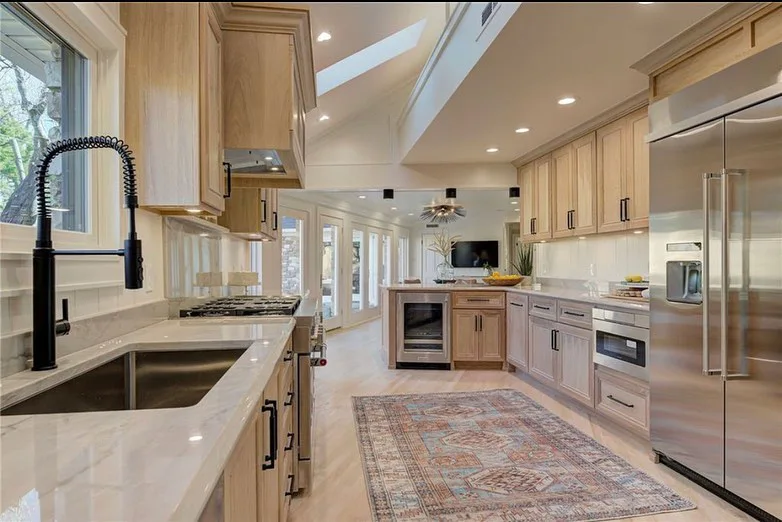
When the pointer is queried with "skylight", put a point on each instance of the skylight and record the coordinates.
(370, 57)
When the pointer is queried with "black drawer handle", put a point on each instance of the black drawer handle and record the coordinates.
(227, 167)
(477, 300)
(289, 446)
(572, 313)
(290, 486)
(269, 460)
(263, 208)
(288, 356)
(290, 399)
(517, 304)
(274, 225)
(621, 402)
(541, 307)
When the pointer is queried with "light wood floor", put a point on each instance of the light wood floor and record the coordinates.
(355, 367)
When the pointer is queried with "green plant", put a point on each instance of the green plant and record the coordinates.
(523, 263)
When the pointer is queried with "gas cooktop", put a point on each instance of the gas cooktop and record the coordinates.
(241, 306)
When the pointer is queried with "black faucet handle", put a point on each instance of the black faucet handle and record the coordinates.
(63, 327)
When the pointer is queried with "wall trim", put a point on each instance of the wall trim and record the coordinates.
(623, 109)
(696, 35)
(434, 58)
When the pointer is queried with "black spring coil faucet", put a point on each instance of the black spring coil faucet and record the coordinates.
(45, 326)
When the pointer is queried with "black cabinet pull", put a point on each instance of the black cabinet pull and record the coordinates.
(289, 402)
(554, 340)
(477, 300)
(534, 225)
(541, 307)
(621, 210)
(227, 167)
(263, 211)
(621, 402)
(551, 340)
(288, 356)
(627, 209)
(274, 214)
(568, 312)
(476, 322)
(269, 460)
(517, 304)
(531, 228)
(289, 446)
(480, 322)
(290, 486)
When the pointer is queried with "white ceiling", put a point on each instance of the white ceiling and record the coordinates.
(412, 202)
(546, 51)
(354, 26)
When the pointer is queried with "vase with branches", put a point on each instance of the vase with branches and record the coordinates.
(523, 262)
(443, 244)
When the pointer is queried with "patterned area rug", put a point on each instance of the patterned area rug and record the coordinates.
(493, 456)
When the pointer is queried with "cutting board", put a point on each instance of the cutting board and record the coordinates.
(632, 299)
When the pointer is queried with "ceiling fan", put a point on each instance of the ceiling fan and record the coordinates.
(445, 212)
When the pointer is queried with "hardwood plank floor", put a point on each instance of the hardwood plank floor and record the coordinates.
(356, 367)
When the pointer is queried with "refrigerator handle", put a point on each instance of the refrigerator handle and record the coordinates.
(705, 290)
(725, 280)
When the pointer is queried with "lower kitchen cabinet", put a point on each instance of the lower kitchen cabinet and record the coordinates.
(560, 356)
(478, 335)
(623, 399)
(256, 481)
(516, 328)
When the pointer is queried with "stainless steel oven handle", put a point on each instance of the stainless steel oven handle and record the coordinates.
(707, 177)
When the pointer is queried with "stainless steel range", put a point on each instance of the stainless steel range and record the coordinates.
(309, 346)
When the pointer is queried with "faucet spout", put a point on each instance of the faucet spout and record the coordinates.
(44, 321)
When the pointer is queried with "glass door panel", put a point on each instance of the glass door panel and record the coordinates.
(358, 272)
(386, 268)
(374, 273)
(330, 272)
(402, 262)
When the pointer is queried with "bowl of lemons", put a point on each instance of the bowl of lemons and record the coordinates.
(497, 279)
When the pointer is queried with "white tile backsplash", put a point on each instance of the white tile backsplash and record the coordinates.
(604, 257)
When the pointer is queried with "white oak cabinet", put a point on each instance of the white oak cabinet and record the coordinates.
(252, 211)
(173, 104)
(574, 200)
(478, 335)
(517, 325)
(535, 183)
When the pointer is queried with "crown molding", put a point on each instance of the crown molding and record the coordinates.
(638, 101)
(696, 35)
(290, 19)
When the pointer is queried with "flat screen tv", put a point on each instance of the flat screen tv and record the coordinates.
(475, 254)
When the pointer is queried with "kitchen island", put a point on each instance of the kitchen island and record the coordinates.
(155, 464)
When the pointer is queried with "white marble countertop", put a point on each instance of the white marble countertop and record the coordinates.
(144, 465)
(569, 294)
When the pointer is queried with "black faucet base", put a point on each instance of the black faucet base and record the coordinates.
(44, 368)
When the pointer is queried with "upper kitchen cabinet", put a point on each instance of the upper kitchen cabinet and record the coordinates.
(173, 104)
(269, 85)
(535, 182)
(623, 174)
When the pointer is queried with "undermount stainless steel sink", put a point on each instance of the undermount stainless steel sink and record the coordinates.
(135, 381)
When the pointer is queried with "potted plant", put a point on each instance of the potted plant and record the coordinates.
(523, 263)
(443, 244)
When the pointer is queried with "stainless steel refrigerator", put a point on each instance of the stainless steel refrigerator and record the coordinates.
(716, 283)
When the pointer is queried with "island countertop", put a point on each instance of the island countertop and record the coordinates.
(142, 465)
(583, 296)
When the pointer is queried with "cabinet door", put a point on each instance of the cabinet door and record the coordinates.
(210, 46)
(562, 193)
(576, 374)
(543, 198)
(637, 179)
(611, 167)
(465, 335)
(585, 185)
(527, 184)
(541, 352)
(269, 484)
(491, 324)
(516, 332)
(274, 214)
(240, 484)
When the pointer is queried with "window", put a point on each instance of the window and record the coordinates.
(292, 259)
(403, 261)
(386, 260)
(43, 98)
(374, 265)
(358, 283)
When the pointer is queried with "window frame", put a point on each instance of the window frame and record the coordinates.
(89, 29)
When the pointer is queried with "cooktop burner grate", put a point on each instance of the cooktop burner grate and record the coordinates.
(251, 305)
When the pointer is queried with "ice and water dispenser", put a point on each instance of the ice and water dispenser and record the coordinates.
(683, 278)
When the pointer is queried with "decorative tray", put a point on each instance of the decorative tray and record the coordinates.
(505, 281)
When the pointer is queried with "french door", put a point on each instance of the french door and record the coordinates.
(331, 271)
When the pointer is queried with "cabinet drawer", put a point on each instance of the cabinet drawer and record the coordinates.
(543, 307)
(625, 401)
(576, 314)
(518, 299)
(479, 300)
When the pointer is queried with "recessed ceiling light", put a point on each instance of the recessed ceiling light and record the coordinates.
(323, 117)
(581, 237)
(204, 235)
(254, 359)
(393, 208)
(324, 37)
(567, 100)
(638, 231)
(268, 158)
(362, 197)
(517, 210)
(514, 202)
(195, 438)
(410, 214)
(522, 130)
(492, 149)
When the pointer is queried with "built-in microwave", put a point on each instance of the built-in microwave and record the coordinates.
(621, 341)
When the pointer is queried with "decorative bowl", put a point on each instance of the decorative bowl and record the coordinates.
(507, 281)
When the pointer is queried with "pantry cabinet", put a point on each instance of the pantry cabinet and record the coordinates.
(536, 185)
(173, 105)
(623, 174)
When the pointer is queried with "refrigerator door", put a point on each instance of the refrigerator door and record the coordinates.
(687, 421)
(753, 388)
